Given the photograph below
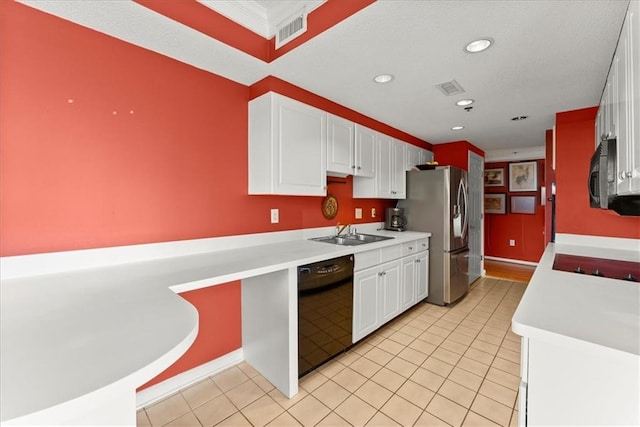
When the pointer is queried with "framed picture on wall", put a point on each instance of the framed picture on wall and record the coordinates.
(523, 204)
(494, 177)
(494, 203)
(523, 176)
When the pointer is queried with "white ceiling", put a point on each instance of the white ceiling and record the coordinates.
(549, 56)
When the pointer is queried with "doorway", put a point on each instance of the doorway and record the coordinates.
(476, 191)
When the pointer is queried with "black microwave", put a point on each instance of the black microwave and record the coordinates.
(602, 182)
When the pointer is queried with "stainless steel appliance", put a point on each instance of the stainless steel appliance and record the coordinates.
(394, 219)
(437, 202)
(603, 177)
(325, 311)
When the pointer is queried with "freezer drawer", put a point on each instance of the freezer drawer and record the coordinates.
(457, 271)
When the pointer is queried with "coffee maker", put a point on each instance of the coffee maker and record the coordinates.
(394, 219)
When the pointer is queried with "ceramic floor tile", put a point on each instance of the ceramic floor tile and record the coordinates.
(230, 378)
(423, 347)
(263, 383)
(356, 411)
(485, 346)
(263, 411)
(438, 366)
(446, 356)
(473, 366)
(503, 378)
(489, 408)
(401, 410)
(330, 394)
(284, 419)
(507, 366)
(465, 378)
(457, 393)
(349, 379)
(374, 394)
(379, 356)
(489, 338)
(464, 330)
(141, 419)
(429, 420)
(414, 356)
(388, 379)
(414, 329)
(365, 367)
(514, 419)
(511, 345)
(480, 356)
(401, 338)
(474, 420)
(381, 420)
(509, 355)
(312, 381)
(452, 345)
(391, 346)
(439, 331)
(428, 379)
(201, 392)
(333, 420)
(235, 420)
(416, 394)
(248, 370)
(362, 348)
(499, 393)
(215, 410)
(187, 420)
(167, 410)
(284, 401)
(446, 410)
(460, 338)
(402, 367)
(244, 394)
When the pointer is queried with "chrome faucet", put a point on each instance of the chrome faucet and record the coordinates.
(341, 228)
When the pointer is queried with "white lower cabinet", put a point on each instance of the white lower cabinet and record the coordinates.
(386, 283)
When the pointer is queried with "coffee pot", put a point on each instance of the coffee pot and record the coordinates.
(394, 219)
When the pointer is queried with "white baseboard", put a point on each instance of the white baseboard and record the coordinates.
(513, 261)
(171, 385)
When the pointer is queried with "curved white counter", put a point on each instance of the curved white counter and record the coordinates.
(71, 341)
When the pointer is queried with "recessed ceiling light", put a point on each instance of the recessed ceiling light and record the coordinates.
(517, 118)
(478, 45)
(383, 78)
(457, 128)
(464, 102)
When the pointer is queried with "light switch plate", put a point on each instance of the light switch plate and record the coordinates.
(275, 216)
(373, 212)
(358, 213)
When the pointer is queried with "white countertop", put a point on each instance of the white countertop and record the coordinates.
(68, 334)
(581, 310)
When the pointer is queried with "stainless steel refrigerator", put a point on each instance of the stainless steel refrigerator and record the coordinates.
(437, 202)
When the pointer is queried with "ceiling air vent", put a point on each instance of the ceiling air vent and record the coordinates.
(291, 28)
(450, 88)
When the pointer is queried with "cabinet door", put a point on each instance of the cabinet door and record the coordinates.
(413, 156)
(422, 275)
(340, 145)
(408, 288)
(300, 132)
(633, 94)
(385, 166)
(398, 177)
(426, 156)
(389, 283)
(365, 152)
(366, 303)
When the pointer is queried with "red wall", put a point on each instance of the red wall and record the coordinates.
(106, 144)
(575, 143)
(526, 229)
(455, 153)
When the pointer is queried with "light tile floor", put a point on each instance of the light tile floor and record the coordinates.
(455, 365)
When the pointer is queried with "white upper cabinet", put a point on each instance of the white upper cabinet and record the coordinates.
(341, 144)
(415, 155)
(365, 164)
(287, 147)
(619, 112)
(389, 181)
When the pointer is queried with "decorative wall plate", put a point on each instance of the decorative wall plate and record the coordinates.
(330, 206)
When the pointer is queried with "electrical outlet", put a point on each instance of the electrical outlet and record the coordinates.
(373, 212)
(512, 242)
(358, 213)
(275, 216)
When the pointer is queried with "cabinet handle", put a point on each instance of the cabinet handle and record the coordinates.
(353, 167)
(359, 167)
(628, 174)
(424, 245)
(410, 248)
(418, 261)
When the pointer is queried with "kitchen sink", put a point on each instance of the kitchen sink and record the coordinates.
(352, 239)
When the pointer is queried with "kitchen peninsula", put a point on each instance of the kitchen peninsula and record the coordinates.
(82, 330)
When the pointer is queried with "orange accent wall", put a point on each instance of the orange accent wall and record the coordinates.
(220, 330)
(455, 153)
(107, 144)
(526, 229)
(575, 143)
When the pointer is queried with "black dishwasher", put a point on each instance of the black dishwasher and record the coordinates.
(325, 311)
